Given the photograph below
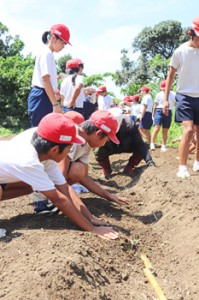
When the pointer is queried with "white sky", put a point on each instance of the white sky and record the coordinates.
(99, 29)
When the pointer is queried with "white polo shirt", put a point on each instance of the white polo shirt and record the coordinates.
(104, 102)
(159, 99)
(45, 65)
(185, 60)
(67, 90)
(148, 101)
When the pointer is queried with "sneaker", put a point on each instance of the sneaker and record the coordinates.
(45, 208)
(152, 146)
(196, 166)
(183, 174)
(2, 233)
(163, 149)
(151, 163)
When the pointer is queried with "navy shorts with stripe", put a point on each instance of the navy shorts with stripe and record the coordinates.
(161, 119)
(187, 109)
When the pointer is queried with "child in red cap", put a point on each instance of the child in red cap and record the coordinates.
(97, 130)
(42, 99)
(160, 119)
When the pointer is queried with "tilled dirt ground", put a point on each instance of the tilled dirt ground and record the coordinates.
(49, 258)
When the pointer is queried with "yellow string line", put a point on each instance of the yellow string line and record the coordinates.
(151, 279)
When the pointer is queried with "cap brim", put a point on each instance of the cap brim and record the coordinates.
(79, 140)
(114, 139)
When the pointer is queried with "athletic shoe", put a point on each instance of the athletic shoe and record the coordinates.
(45, 208)
(163, 149)
(183, 174)
(196, 166)
(151, 163)
(152, 146)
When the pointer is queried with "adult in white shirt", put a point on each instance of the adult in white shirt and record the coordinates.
(72, 87)
(104, 100)
(146, 113)
(159, 118)
(29, 163)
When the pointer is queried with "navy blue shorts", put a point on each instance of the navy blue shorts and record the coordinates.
(147, 121)
(161, 119)
(187, 109)
(39, 105)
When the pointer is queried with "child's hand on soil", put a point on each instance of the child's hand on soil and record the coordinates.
(119, 200)
(106, 233)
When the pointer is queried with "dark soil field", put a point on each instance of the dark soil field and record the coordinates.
(49, 258)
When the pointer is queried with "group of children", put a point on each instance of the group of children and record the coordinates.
(54, 152)
(147, 112)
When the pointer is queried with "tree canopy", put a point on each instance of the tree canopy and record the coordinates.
(15, 77)
(153, 47)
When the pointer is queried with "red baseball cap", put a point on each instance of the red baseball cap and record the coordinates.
(135, 97)
(59, 129)
(79, 61)
(145, 88)
(195, 25)
(62, 32)
(101, 88)
(75, 116)
(105, 121)
(163, 84)
(72, 64)
(127, 99)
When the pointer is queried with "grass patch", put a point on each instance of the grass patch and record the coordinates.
(6, 132)
(175, 131)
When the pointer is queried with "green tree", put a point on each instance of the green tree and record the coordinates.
(15, 78)
(61, 63)
(154, 47)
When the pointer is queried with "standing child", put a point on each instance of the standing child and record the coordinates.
(160, 119)
(72, 87)
(41, 99)
(146, 113)
(185, 61)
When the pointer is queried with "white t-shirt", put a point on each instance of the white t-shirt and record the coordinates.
(159, 99)
(105, 102)
(148, 101)
(19, 162)
(135, 109)
(45, 65)
(185, 60)
(67, 90)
